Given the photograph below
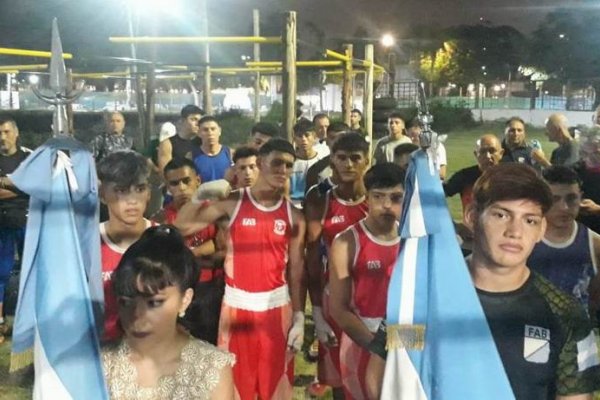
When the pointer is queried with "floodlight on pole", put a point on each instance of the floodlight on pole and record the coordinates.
(155, 6)
(387, 40)
(34, 79)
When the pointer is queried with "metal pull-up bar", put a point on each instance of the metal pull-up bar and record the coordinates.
(195, 39)
(30, 53)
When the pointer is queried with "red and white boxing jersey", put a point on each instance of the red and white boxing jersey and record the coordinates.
(110, 256)
(374, 260)
(195, 239)
(257, 244)
(340, 214)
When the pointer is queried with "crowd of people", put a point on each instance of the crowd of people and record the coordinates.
(206, 297)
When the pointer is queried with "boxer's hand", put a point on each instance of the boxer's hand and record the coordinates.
(322, 329)
(296, 332)
(214, 190)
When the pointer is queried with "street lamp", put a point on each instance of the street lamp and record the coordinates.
(388, 41)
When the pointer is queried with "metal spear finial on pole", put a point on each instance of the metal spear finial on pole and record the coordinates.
(61, 93)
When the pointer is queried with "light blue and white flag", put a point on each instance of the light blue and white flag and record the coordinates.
(55, 325)
(440, 345)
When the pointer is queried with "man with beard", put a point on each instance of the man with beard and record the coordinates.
(516, 148)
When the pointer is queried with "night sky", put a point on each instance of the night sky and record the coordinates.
(87, 24)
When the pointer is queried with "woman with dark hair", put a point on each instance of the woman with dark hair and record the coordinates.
(157, 358)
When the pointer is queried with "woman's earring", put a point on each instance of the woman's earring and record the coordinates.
(181, 314)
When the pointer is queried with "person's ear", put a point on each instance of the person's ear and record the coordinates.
(101, 192)
(543, 230)
(188, 295)
(470, 217)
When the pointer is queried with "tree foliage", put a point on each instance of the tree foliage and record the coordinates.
(566, 45)
(467, 53)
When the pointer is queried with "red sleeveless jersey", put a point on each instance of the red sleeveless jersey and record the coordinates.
(257, 245)
(340, 214)
(374, 261)
(110, 256)
(195, 239)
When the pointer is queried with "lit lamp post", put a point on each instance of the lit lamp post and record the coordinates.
(388, 41)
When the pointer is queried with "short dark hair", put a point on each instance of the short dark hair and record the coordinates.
(356, 110)
(515, 119)
(414, 122)
(8, 119)
(404, 148)
(265, 128)
(561, 175)
(338, 126)
(384, 175)
(124, 168)
(302, 127)
(180, 162)
(319, 116)
(158, 259)
(396, 115)
(190, 109)
(511, 181)
(207, 118)
(351, 142)
(244, 152)
(276, 144)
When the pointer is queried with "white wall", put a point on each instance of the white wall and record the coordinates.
(533, 117)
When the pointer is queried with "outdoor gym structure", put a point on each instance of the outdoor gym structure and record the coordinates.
(343, 64)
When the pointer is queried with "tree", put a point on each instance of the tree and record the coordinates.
(466, 53)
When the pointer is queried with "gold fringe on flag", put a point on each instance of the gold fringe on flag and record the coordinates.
(403, 336)
(21, 360)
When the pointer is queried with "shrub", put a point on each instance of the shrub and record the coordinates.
(235, 127)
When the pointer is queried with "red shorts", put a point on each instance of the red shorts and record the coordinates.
(328, 367)
(353, 362)
(264, 367)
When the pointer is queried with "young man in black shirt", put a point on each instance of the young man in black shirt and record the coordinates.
(13, 207)
(543, 336)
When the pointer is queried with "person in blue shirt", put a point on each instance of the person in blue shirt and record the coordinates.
(212, 159)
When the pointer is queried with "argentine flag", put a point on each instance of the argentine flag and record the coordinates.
(55, 327)
(440, 345)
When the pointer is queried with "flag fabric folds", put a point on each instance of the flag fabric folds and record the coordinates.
(439, 342)
(60, 282)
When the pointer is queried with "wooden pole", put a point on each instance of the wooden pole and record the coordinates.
(150, 95)
(289, 74)
(141, 108)
(207, 86)
(256, 32)
(347, 86)
(368, 96)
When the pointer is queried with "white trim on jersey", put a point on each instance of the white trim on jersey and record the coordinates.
(256, 301)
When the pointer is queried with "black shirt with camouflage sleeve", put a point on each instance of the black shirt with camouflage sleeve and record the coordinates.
(545, 340)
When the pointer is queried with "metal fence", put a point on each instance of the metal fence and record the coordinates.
(573, 96)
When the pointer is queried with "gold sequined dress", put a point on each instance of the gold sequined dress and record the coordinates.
(195, 378)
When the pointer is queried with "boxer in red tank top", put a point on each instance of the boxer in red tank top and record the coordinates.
(361, 262)
(262, 318)
(327, 214)
(125, 192)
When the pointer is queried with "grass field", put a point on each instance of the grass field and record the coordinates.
(459, 147)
